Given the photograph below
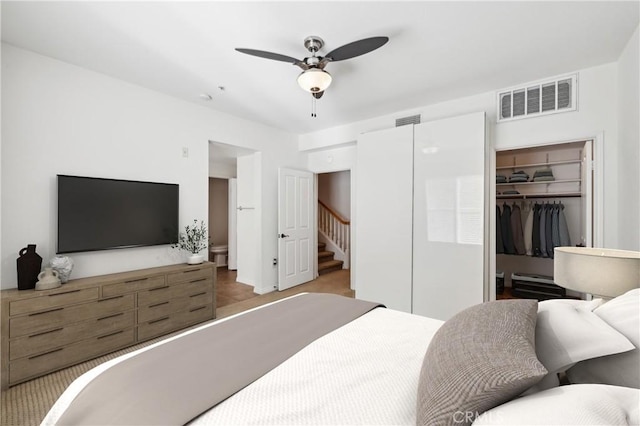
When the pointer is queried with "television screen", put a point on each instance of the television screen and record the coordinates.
(100, 214)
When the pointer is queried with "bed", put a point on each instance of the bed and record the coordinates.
(494, 363)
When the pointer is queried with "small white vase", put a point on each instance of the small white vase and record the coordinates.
(48, 279)
(195, 259)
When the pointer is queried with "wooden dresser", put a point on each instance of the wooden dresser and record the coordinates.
(44, 331)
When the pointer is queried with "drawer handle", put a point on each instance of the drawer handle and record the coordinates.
(65, 292)
(198, 280)
(137, 281)
(109, 335)
(110, 298)
(110, 316)
(158, 288)
(190, 270)
(45, 312)
(46, 353)
(199, 294)
(158, 320)
(197, 309)
(158, 304)
(45, 332)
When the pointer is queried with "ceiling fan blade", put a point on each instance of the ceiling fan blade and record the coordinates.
(274, 56)
(356, 48)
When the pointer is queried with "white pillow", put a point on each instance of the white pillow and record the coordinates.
(569, 405)
(588, 305)
(623, 314)
(568, 332)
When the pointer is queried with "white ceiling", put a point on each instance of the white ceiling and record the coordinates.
(437, 50)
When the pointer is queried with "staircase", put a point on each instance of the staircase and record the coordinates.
(326, 262)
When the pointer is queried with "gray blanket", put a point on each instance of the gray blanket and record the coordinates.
(177, 381)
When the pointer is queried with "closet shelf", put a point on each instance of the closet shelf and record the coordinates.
(528, 166)
(543, 195)
(548, 182)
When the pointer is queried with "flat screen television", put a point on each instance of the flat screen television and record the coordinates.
(100, 214)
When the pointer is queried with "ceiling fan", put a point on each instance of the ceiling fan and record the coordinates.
(314, 79)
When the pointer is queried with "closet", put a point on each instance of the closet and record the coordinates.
(554, 184)
(421, 230)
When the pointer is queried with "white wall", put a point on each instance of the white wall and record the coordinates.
(59, 118)
(222, 170)
(597, 113)
(629, 153)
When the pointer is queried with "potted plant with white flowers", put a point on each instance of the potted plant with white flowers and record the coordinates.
(193, 240)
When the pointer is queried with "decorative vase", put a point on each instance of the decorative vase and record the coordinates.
(29, 264)
(195, 259)
(63, 265)
(48, 279)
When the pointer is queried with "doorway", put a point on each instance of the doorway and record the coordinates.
(538, 189)
(234, 289)
(334, 221)
(226, 229)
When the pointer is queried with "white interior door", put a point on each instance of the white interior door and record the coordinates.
(448, 229)
(232, 254)
(295, 227)
(247, 220)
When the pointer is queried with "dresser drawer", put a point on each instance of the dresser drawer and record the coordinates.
(174, 321)
(61, 336)
(190, 274)
(168, 292)
(25, 368)
(53, 300)
(132, 285)
(48, 320)
(162, 309)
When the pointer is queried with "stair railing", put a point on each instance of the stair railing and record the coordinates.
(334, 226)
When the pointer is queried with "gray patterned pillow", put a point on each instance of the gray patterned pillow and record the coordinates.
(482, 357)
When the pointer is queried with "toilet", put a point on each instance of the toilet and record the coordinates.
(219, 254)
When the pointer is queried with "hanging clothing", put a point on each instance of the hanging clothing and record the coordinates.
(528, 230)
(565, 241)
(499, 244)
(548, 231)
(535, 234)
(507, 237)
(555, 226)
(543, 230)
(516, 229)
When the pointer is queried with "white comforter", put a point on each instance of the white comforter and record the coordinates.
(365, 372)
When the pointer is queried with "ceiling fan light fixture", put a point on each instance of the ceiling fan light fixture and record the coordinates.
(314, 80)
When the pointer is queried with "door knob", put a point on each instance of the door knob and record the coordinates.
(282, 235)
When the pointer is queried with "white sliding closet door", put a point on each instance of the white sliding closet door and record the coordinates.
(384, 206)
(448, 220)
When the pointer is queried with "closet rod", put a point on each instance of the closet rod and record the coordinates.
(533, 196)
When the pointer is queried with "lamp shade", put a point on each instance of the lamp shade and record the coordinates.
(314, 80)
(598, 271)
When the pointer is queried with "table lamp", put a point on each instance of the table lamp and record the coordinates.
(598, 271)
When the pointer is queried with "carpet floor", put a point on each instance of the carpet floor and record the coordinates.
(27, 403)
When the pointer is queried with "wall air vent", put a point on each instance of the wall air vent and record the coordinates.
(413, 119)
(539, 98)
